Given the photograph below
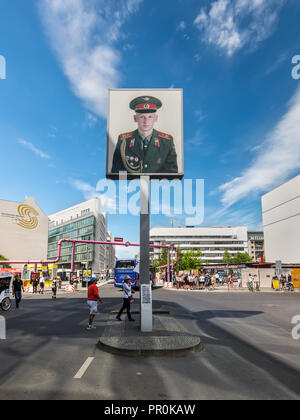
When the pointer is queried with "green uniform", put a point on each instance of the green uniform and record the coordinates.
(156, 154)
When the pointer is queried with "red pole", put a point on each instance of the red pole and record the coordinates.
(74, 241)
(73, 257)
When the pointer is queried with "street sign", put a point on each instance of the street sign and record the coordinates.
(278, 266)
(118, 240)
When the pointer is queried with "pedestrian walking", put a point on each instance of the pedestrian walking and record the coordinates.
(197, 282)
(42, 285)
(202, 281)
(17, 289)
(174, 280)
(35, 284)
(93, 299)
(282, 281)
(54, 287)
(127, 294)
(76, 283)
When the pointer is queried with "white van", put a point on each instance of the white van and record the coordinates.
(6, 281)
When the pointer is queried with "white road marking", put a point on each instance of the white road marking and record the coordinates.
(84, 368)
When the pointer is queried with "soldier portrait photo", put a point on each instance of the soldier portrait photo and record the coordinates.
(147, 149)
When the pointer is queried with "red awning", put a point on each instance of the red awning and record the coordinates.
(10, 271)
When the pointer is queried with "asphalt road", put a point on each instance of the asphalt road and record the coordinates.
(248, 350)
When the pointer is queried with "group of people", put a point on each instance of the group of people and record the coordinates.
(35, 282)
(197, 281)
(74, 281)
(285, 281)
(202, 281)
(94, 298)
(18, 287)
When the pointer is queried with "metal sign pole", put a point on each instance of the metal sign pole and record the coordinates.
(145, 287)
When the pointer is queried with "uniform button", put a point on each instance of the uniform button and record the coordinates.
(145, 166)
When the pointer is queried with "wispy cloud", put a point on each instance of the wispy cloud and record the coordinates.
(34, 149)
(83, 35)
(181, 26)
(89, 192)
(224, 24)
(276, 160)
(200, 115)
(245, 216)
(91, 119)
(197, 139)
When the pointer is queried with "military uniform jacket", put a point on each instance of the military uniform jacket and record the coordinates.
(131, 155)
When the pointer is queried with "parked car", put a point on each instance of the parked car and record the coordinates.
(6, 281)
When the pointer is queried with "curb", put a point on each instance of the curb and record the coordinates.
(121, 351)
(167, 338)
(197, 348)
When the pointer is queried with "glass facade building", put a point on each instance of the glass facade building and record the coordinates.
(83, 229)
(84, 222)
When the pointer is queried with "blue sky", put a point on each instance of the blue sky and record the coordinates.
(233, 60)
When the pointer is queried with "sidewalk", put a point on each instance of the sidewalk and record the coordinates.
(48, 289)
(225, 289)
(169, 336)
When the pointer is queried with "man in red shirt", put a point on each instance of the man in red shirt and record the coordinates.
(93, 299)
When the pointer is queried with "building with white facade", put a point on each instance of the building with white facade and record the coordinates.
(256, 245)
(23, 231)
(110, 254)
(85, 221)
(211, 241)
(281, 223)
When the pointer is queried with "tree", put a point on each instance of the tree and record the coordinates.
(2, 258)
(180, 264)
(162, 259)
(189, 260)
(226, 257)
(241, 258)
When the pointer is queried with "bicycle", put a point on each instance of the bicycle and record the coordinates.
(250, 286)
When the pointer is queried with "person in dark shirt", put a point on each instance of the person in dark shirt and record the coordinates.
(17, 290)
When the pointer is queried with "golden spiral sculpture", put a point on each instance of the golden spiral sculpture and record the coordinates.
(28, 218)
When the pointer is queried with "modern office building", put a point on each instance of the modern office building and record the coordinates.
(110, 254)
(211, 241)
(84, 221)
(23, 231)
(281, 223)
(256, 245)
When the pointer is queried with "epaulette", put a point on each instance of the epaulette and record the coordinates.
(126, 136)
(164, 136)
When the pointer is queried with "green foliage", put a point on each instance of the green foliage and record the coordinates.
(162, 259)
(180, 263)
(189, 260)
(239, 258)
(186, 261)
(2, 258)
(226, 257)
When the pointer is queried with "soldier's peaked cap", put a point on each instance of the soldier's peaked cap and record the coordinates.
(145, 104)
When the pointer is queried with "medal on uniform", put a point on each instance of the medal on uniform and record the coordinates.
(131, 164)
(157, 144)
(132, 143)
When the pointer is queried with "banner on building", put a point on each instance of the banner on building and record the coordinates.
(145, 133)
